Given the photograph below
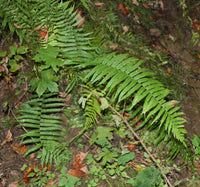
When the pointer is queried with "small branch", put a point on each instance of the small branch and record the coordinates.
(141, 141)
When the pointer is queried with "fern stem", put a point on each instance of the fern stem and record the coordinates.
(139, 139)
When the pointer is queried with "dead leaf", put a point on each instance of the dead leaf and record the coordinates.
(8, 138)
(146, 5)
(19, 149)
(130, 147)
(169, 71)
(3, 181)
(174, 102)
(79, 168)
(82, 156)
(13, 184)
(125, 29)
(113, 47)
(18, 26)
(120, 6)
(80, 19)
(32, 156)
(51, 183)
(43, 34)
(161, 4)
(99, 4)
(135, 2)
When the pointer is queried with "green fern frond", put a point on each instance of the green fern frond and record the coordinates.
(124, 78)
(92, 109)
(36, 115)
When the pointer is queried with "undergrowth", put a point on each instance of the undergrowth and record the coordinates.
(112, 89)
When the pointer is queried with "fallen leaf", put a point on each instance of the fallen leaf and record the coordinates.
(13, 184)
(125, 29)
(120, 6)
(3, 181)
(126, 115)
(130, 147)
(79, 168)
(32, 156)
(19, 149)
(135, 2)
(8, 138)
(43, 34)
(198, 55)
(169, 72)
(161, 4)
(99, 4)
(113, 47)
(80, 19)
(51, 183)
(146, 5)
(82, 156)
(174, 102)
(18, 26)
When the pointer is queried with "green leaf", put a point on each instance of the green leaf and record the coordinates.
(149, 177)
(49, 56)
(68, 181)
(123, 159)
(13, 66)
(2, 53)
(22, 50)
(13, 50)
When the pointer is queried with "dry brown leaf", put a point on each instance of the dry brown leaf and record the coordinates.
(32, 156)
(13, 184)
(113, 47)
(99, 4)
(82, 156)
(8, 138)
(146, 5)
(125, 29)
(161, 4)
(135, 2)
(3, 181)
(18, 26)
(80, 19)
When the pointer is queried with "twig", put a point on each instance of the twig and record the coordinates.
(135, 134)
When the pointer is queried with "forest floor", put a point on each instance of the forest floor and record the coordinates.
(178, 46)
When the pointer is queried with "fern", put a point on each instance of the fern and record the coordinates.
(124, 78)
(44, 128)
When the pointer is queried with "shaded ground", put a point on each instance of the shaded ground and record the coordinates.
(181, 51)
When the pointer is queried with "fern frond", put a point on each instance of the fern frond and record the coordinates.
(92, 109)
(36, 115)
(124, 79)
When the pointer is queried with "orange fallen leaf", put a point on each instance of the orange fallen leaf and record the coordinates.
(8, 138)
(43, 34)
(79, 168)
(130, 147)
(198, 55)
(30, 170)
(126, 115)
(120, 6)
(169, 72)
(19, 149)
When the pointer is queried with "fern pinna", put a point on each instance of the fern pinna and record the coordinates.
(123, 78)
(42, 128)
